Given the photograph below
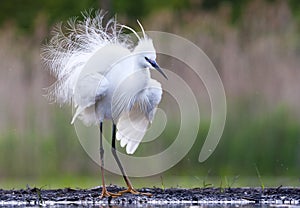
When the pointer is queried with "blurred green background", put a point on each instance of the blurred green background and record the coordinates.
(255, 46)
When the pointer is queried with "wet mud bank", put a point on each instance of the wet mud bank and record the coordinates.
(195, 196)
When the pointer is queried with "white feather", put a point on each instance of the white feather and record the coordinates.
(90, 88)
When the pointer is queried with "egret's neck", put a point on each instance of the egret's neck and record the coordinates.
(142, 72)
(146, 73)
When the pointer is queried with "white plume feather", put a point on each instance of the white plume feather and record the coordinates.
(71, 46)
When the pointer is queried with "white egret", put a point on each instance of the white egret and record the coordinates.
(104, 76)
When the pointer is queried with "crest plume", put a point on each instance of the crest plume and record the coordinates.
(144, 34)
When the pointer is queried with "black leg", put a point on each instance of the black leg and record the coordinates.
(101, 146)
(113, 149)
(130, 188)
(104, 190)
(101, 155)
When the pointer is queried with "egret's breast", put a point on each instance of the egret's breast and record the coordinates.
(127, 87)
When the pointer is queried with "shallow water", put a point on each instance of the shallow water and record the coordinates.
(152, 204)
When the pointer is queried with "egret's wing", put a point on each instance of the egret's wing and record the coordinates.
(89, 89)
(132, 127)
(92, 84)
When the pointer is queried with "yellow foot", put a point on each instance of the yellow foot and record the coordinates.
(133, 191)
(106, 193)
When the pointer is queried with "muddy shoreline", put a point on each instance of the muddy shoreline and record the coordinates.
(195, 196)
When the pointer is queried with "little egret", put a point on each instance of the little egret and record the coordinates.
(104, 76)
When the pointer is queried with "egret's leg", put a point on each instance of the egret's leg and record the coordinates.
(104, 193)
(130, 188)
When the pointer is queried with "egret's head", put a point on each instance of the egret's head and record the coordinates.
(145, 52)
(146, 55)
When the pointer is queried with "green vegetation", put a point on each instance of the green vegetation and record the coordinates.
(268, 144)
(262, 185)
(25, 13)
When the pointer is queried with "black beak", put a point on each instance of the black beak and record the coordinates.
(156, 66)
(160, 71)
